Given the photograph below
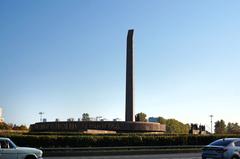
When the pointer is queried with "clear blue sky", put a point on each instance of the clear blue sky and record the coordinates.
(66, 58)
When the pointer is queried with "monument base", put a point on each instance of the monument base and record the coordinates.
(83, 126)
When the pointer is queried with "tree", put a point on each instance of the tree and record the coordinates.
(10, 126)
(141, 117)
(162, 120)
(85, 117)
(220, 127)
(5, 126)
(176, 127)
(21, 127)
(233, 128)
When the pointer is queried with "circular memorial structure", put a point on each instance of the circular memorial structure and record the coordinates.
(129, 125)
(108, 126)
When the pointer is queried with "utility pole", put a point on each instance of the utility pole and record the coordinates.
(211, 116)
(41, 113)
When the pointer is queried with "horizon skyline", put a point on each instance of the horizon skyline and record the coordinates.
(68, 58)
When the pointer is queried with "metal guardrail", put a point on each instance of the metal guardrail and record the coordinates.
(123, 148)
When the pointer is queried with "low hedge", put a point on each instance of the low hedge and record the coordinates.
(50, 141)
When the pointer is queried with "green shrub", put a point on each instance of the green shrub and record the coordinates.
(112, 140)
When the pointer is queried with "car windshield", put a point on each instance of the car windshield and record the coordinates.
(12, 145)
(221, 142)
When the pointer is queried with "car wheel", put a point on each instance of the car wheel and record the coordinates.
(235, 157)
(30, 157)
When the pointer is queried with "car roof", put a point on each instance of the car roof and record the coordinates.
(4, 138)
(229, 139)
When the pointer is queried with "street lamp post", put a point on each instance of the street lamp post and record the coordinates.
(211, 116)
(41, 113)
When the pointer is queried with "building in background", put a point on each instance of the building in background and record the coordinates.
(198, 130)
(1, 115)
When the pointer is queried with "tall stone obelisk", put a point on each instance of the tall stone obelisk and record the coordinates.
(129, 116)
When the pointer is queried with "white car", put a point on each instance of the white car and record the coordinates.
(8, 150)
(227, 148)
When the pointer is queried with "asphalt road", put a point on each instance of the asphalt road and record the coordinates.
(160, 156)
